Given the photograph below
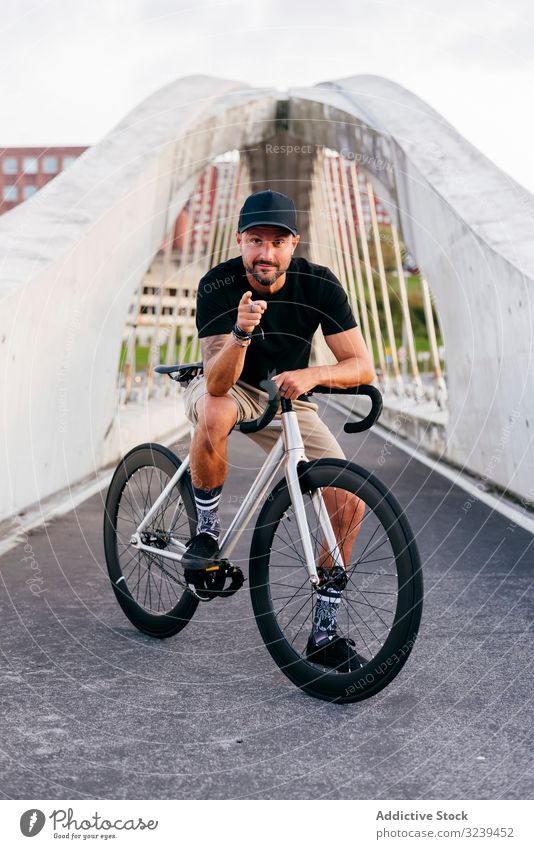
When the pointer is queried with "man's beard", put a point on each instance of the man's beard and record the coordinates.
(263, 281)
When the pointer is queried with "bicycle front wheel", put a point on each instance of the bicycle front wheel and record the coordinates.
(150, 588)
(380, 607)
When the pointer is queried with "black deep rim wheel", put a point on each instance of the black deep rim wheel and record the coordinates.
(150, 589)
(381, 604)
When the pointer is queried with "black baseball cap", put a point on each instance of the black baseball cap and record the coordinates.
(268, 208)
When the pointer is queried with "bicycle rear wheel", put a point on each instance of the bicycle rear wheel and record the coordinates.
(150, 589)
(381, 605)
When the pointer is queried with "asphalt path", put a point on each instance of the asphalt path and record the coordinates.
(93, 708)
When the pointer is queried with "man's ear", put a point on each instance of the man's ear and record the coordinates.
(238, 237)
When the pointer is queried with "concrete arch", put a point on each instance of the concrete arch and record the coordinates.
(74, 254)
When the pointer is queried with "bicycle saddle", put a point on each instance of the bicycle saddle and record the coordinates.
(181, 373)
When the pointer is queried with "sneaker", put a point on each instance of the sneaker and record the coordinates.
(335, 653)
(201, 550)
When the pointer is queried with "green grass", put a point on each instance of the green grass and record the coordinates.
(142, 354)
(417, 314)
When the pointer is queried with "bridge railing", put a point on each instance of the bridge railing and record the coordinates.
(161, 320)
(350, 232)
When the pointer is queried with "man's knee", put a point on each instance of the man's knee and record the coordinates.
(216, 414)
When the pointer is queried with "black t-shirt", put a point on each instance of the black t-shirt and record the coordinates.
(311, 296)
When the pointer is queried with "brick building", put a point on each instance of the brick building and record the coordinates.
(25, 170)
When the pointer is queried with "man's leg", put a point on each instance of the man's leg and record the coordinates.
(213, 417)
(346, 512)
(208, 459)
(216, 416)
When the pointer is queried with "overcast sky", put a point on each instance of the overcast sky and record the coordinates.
(72, 68)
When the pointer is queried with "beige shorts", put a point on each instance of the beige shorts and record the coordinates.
(318, 440)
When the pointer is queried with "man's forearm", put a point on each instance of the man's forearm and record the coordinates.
(349, 372)
(224, 369)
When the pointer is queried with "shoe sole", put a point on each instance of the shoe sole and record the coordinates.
(193, 561)
(198, 565)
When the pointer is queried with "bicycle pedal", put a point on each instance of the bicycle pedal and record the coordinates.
(237, 579)
(215, 565)
(208, 583)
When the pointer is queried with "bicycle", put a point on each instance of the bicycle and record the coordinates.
(150, 513)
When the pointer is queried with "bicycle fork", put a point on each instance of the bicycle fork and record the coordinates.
(295, 454)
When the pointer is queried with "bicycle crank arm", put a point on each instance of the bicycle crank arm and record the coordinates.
(135, 542)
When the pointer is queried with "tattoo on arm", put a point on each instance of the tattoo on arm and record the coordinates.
(210, 347)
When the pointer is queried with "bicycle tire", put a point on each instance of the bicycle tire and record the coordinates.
(150, 589)
(404, 577)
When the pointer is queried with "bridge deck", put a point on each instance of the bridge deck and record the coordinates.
(92, 708)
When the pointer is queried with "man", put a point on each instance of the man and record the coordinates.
(256, 316)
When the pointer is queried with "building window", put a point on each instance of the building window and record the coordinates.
(50, 164)
(28, 191)
(30, 165)
(9, 165)
(11, 193)
(68, 160)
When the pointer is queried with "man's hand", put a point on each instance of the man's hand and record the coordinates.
(249, 312)
(295, 383)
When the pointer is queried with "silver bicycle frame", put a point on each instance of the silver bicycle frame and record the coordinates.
(288, 451)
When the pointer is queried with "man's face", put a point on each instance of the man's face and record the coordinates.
(267, 252)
